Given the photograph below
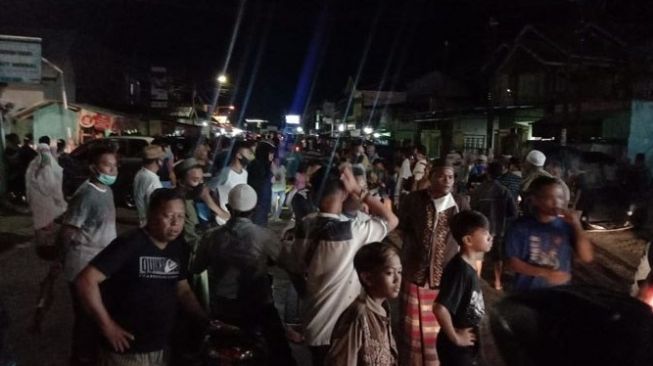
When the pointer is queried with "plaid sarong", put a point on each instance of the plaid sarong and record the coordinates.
(156, 358)
(419, 326)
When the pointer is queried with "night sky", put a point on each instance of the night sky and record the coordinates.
(327, 39)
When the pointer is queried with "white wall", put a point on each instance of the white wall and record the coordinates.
(22, 97)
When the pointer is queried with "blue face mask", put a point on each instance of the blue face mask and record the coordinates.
(107, 180)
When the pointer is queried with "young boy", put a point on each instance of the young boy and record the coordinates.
(540, 246)
(460, 306)
(362, 335)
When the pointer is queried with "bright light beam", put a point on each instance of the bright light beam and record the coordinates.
(361, 65)
(310, 61)
(257, 64)
(320, 62)
(232, 43)
(386, 68)
(363, 60)
(249, 43)
(402, 59)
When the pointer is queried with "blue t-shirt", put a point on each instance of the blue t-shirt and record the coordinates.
(539, 244)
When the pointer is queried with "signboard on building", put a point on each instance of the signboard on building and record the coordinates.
(99, 121)
(293, 119)
(20, 59)
(158, 87)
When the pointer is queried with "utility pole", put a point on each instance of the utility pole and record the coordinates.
(64, 96)
(3, 167)
(491, 45)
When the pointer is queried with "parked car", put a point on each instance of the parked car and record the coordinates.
(129, 150)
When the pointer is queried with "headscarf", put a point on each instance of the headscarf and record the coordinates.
(44, 180)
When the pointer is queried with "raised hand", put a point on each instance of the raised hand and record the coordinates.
(349, 181)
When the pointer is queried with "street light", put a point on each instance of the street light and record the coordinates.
(300, 129)
(341, 127)
(367, 130)
(222, 79)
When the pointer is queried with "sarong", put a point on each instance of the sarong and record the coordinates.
(419, 326)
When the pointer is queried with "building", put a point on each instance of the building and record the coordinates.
(371, 106)
(567, 85)
(443, 115)
(99, 87)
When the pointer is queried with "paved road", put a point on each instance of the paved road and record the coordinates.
(617, 257)
(22, 272)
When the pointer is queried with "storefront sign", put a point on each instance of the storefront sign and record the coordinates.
(99, 121)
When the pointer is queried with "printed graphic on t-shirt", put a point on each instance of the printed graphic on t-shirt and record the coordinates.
(545, 253)
(158, 268)
(476, 308)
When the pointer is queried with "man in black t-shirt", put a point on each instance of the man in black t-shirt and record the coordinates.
(460, 306)
(133, 286)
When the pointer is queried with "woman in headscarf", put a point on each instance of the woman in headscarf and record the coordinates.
(260, 178)
(44, 179)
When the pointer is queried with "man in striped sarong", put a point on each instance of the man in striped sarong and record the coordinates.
(427, 247)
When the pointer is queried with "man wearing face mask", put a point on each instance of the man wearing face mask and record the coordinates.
(147, 180)
(235, 173)
(190, 185)
(89, 226)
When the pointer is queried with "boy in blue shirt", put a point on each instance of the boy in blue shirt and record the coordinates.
(540, 246)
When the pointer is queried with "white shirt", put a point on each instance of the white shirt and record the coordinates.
(404, 172)
(279, 174)
(444, 203)
(145, 182)
(332, 283)
(233, 179)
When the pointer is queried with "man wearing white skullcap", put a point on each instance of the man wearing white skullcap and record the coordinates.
(533, 168)
(236, 256)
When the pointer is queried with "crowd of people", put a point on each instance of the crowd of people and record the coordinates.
(203, 246)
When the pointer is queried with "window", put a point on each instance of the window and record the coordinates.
(474, 142)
